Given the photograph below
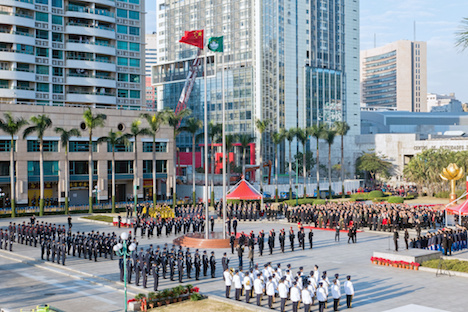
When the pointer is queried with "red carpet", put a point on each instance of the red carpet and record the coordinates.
(326, 229)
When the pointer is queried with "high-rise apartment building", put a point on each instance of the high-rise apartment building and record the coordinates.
(295, 63)
(151, 52)
(395, 76)
(66, 52)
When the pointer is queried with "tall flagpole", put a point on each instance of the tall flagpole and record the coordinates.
(206, 152)
(224, 148)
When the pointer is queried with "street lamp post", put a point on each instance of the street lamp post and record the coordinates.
(123, 250)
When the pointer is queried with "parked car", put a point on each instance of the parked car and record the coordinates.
(285, 195)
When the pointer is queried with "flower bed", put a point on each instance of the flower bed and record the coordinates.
(396, 264)
(168, 296)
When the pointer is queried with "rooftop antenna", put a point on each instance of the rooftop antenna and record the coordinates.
(414, 30)
(375, 40)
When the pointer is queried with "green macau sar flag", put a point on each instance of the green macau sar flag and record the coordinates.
(215, 44)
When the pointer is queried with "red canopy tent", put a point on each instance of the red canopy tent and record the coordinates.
(460, 209)
(243, 190)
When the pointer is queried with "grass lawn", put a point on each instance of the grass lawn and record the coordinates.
(200, 306)
(100, 218)
(452, 265)
(429, 200)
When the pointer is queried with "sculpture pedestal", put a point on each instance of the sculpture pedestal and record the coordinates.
(453, 196)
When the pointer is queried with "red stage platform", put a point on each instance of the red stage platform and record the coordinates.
(197, 240)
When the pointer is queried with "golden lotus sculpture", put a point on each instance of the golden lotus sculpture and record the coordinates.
(452, 173)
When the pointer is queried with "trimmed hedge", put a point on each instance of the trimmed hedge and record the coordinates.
(452, 265)
(395, 200)
(375, 194)
(305, 201)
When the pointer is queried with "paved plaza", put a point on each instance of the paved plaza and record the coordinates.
(84, 285)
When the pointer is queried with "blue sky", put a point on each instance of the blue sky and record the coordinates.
(391, 20)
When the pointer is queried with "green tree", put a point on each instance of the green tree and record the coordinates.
(65, 136)
(262, 126)
(92, 122)
(299, 158)
(155, 121)
(12, 126)
(302, 136)
(329, 137)
(277, 138)
(40, 124)
(113, 138)
(229, 141)
(135, 131)
(192, 126)
(374, 164)
(174, 119)
(290, 135)
(317, 131)
(462, 35)
(244, 140)
(342, 128)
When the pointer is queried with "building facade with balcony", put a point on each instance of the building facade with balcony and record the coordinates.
(27, 158)
(72, 53)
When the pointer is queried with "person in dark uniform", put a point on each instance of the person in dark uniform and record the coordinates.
(395, 238)
(311, 239)
(224, 262)
(180, 268)
(212, 224)
(43, 247)
(129, 271)
(406, 238)
(64, 253)
(232, 240)
(205, 263)
(54, 251)
(171, 267)
(240, 253)
(137, 273)
(234, 226)
(261, 243)
(282, 238)
(271, 241)
(156, 276)
(144, 274)
(188, 264)
(350, 235)
(337, 233)
(197, 263)
(121, 268)
(291, 238)
(212, 264)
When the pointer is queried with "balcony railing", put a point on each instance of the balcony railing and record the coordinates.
(91, 26)
(90, 59)
(16, 14)
(12, 32)
(90, 93)
(102, 44)
(16, 51)
(83, 9)
(89, 76)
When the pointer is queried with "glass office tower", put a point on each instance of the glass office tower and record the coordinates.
(293, 62)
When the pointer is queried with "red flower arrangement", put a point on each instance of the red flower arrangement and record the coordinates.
(397, 264)
(195, 289)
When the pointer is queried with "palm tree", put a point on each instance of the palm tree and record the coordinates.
(65, 136)
(277, 138)
(154, 121)
(302, 136)
(214, 131)
(192, 126)
(342, 128)
(462, 35)
(329, 136)
(290, 135)
(113, 139)
(317, 132)
(41, 124)
(135, 131)
(173, 119)
(11, 126)
(261, 125)
(92, 122)
(229, 141)
(244, 140)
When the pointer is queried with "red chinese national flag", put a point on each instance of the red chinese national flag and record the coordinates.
(194, 38)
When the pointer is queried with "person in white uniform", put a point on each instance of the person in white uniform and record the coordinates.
(336, 294)
(295, 296)
(228, 281)
(270, 291)
(248, 287)
(306, 298)
(321, 297)
(236, 280)
(283, 291)
(349, 291)
(258, 289)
